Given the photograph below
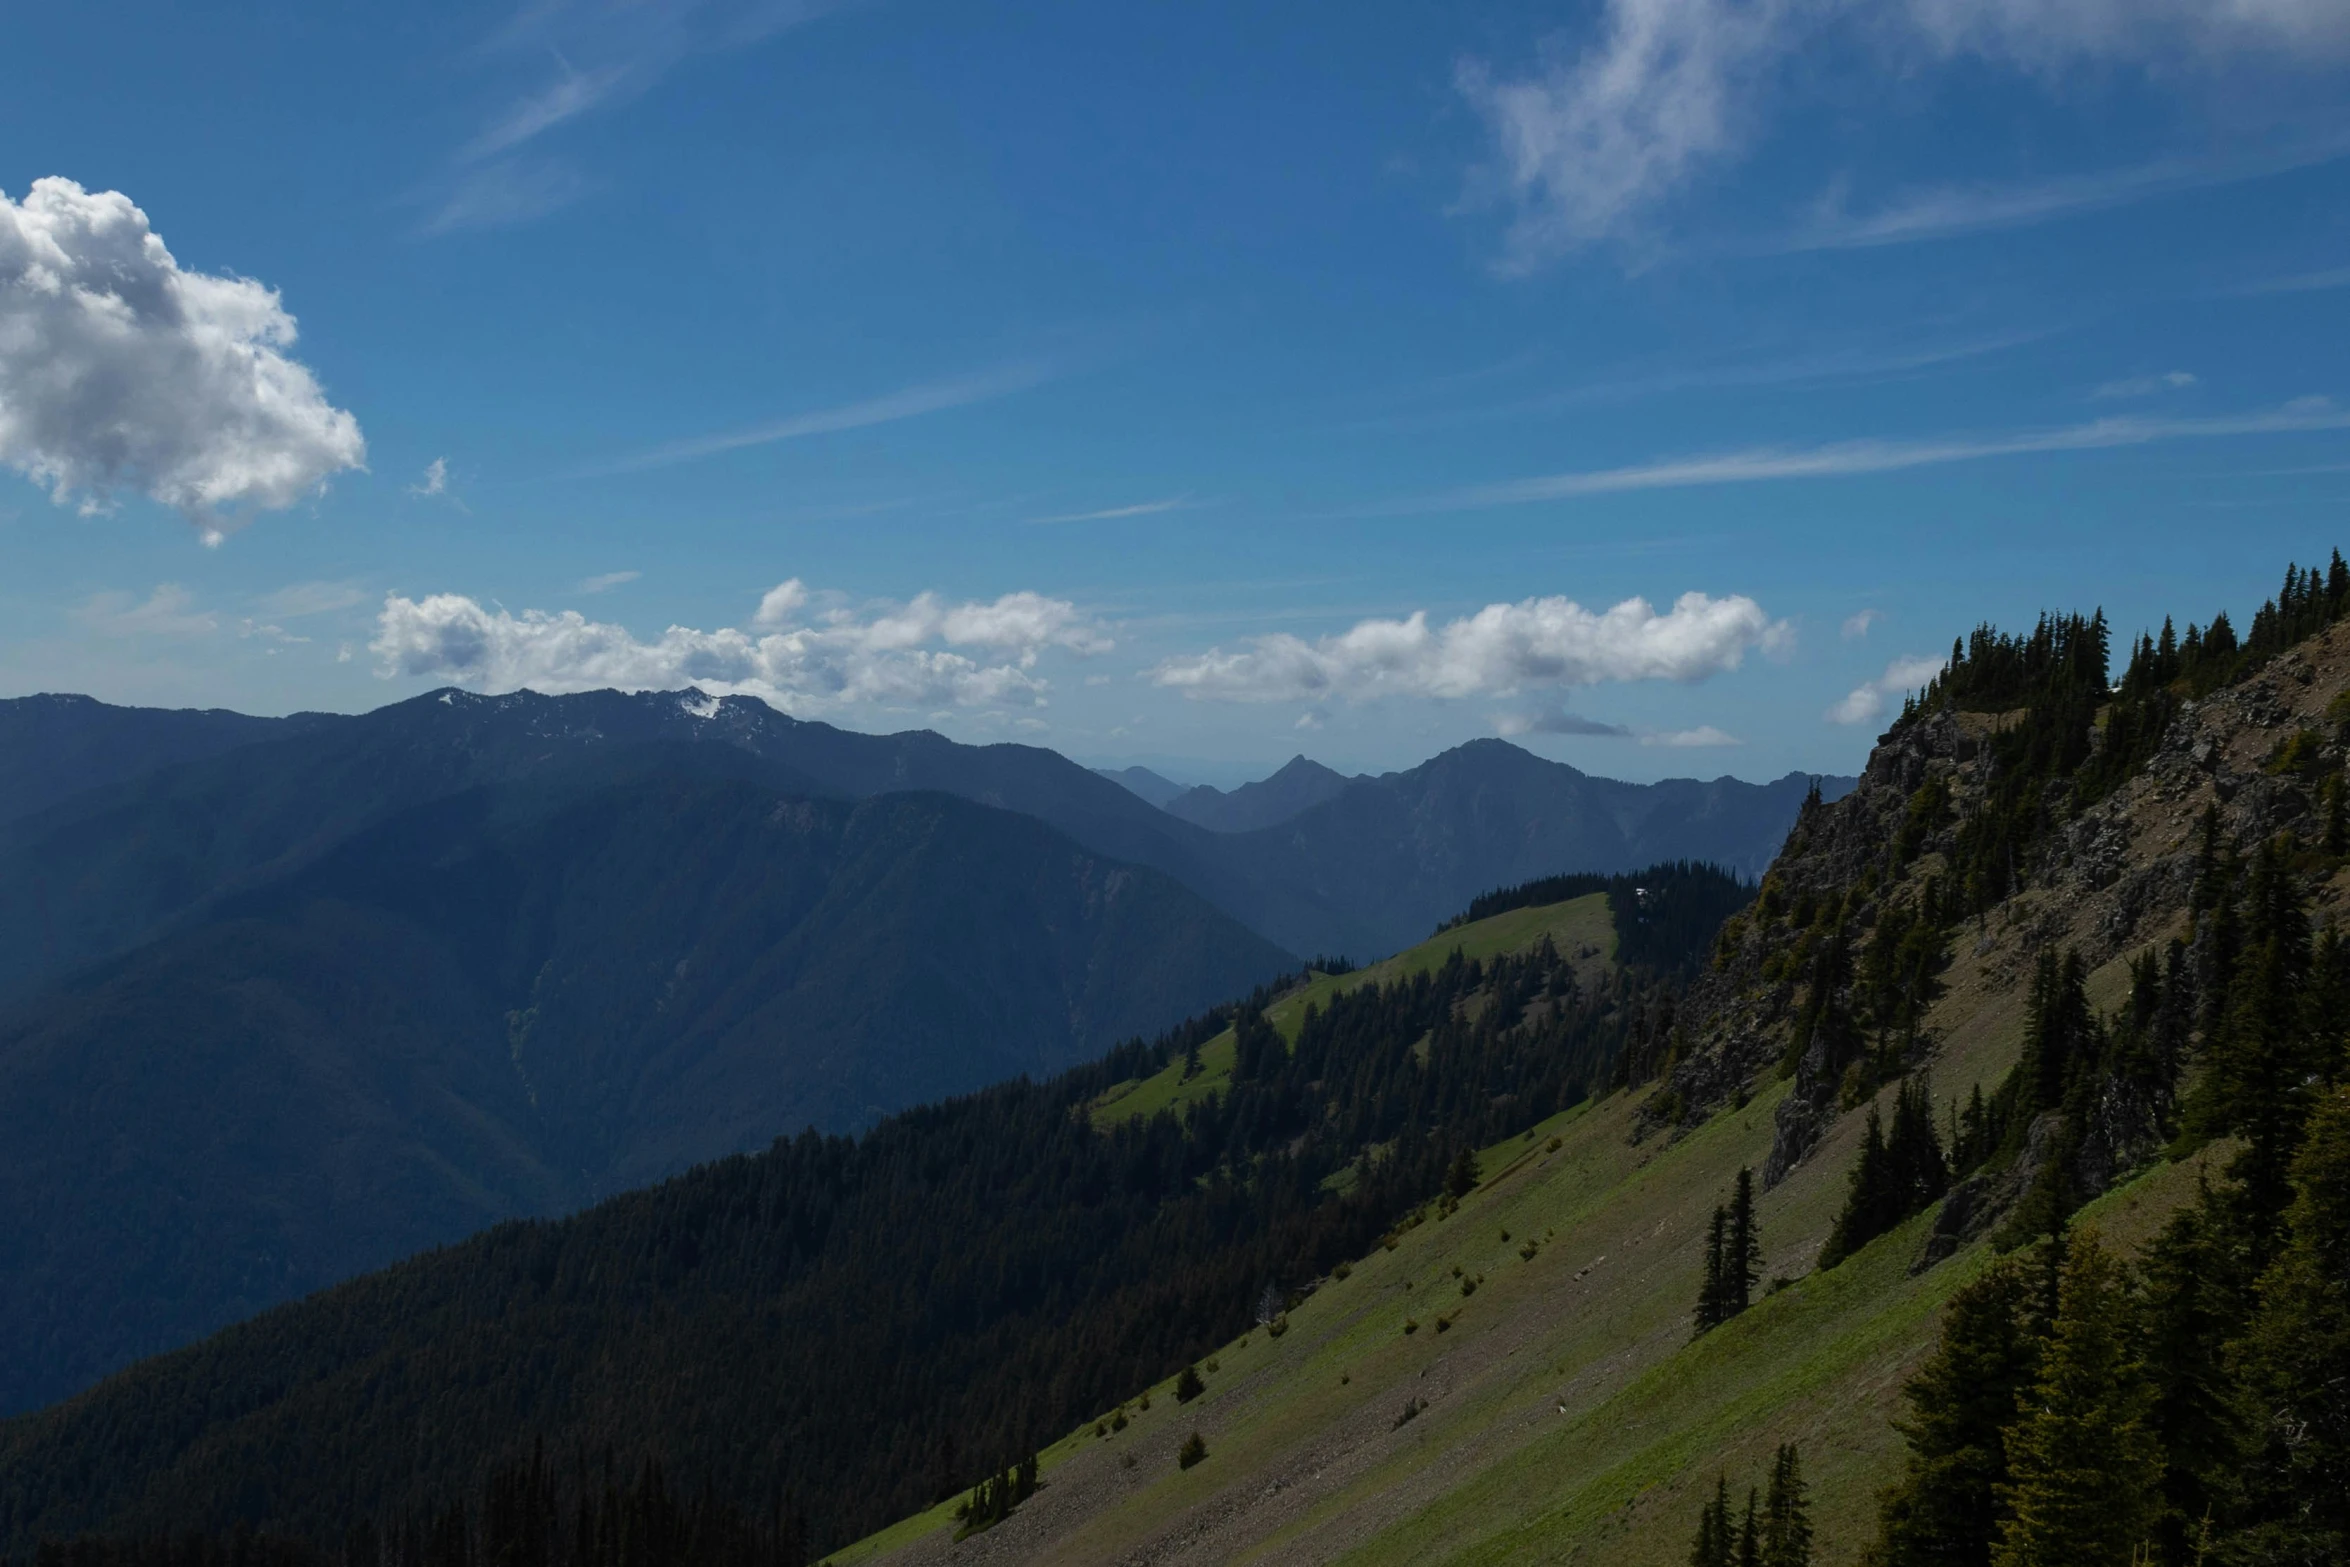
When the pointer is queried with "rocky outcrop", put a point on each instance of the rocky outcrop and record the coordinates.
(2108, 879)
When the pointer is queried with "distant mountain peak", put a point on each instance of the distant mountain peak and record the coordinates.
(1300, 785)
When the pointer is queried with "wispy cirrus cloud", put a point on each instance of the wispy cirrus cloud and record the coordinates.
(906, 403)
(1117, 513)
(1946, 212)
(499, 195)
(1809, 368)
(2143, 385)
(2297, 283)
(1839, 459)
(168, 611)
(574, 93)
(602, 57)
(299, 599)
(1597, 137)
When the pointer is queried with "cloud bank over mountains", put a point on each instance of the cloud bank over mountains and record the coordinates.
(924, 653)
(1499, 650)
(121, 370)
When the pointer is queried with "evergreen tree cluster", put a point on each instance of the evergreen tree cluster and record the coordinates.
(2081, 1413)
(1664, 916)
(1896, 1176)
(1733, 1258)
(2207, 658)
(994, 1498)
(2253, 996)
(2198, 1409)
(1865, 990)
(2050, 686)
(1774, 1531)
(874, 1324)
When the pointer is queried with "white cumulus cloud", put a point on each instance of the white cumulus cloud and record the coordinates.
(893, 655)
(1857, 624)
(121, 370)
(1865, 701)
(1502, 648)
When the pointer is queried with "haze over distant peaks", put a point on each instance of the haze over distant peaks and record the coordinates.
(1143, 783)
(1299, 786)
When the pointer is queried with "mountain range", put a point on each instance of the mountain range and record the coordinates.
(1984, 1190)
(285, 999)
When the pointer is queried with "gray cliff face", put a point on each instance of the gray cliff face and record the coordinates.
(2110, 880)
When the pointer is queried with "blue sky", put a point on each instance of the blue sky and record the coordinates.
(1128, 378)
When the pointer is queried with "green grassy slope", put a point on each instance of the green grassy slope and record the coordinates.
(1578, 927)
(1567, 1416)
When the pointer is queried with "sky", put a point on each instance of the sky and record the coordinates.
(1661, 384)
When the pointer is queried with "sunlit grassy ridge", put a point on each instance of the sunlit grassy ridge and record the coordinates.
(1564, 1414)
(1581, 925)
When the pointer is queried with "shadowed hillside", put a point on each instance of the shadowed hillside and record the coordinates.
(516, 1000)
(864, 1324)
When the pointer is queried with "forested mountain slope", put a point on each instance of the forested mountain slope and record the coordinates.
(53, 747)
(523, 997)
(866, 1325)
(2033, 1049)
(1393, 854)
(2014, 1110)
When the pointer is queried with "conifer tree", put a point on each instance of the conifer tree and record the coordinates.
(1462, 1178)
(2294, 1362)
(2195, 1303)
(1786, 1531)
(2084, 1467)
(1894, 1177)
(1749, 1552)
(1946, 1508)
(2261, 1062)
(1709, 1289)
(1861, 1220)
(1715, 1539)
(1741, 1263)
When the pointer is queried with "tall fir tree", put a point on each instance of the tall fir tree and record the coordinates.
(2197, 1299)
(1786, 1531)
(1709, 1289)
(2294, 1362)
(1946, 1509)
(2084, 1468)
(1715, 1542)
(1741, 1248)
